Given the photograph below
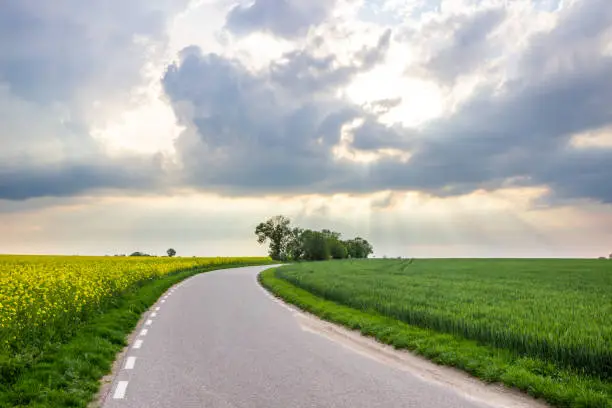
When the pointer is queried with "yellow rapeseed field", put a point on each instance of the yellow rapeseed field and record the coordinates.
(42, 293)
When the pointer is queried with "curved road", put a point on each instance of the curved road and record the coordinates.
(218, 341)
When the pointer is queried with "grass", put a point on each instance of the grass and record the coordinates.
(67, 372)
(470, 314)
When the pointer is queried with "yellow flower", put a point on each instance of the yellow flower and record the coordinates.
(39, 291)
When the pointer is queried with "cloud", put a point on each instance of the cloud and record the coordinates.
(522, 137)
(49, 51)
(250, 133)
(63, 67)
(524, 129)
(462, 43)
(304, 73)
(289, 128)
(246, 136)
(239, 135)
(284, 18)
(69, 179)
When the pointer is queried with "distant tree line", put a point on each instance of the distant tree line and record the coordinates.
(138, 253)
(289, 243)
(171, 252)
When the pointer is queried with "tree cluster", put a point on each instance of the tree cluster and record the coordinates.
(171, 252)
(289, 243)
(138, 253)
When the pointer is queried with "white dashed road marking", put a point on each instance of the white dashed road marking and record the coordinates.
(157, 308)
(144, 332)
(138, 344)
(120, 390)
(148, 322)
(153, 314)
(130, 362)
(163, 300)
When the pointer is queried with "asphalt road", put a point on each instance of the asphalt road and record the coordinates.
(218, 341)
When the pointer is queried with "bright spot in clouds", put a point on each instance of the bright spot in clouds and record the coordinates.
(601, 138)
(419, 100)
(147, 128)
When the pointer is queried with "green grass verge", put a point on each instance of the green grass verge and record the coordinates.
(558, 386)
(68, 374)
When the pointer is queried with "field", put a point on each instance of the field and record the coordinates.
(552, 315)
(43, 297)
(48, 301)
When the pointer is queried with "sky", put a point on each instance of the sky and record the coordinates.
(432, 128)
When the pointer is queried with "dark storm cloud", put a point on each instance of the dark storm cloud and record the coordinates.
(246, 136)
(285, 18)
(70, 179)
(582, 173)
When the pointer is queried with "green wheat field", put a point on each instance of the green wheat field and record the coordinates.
(556, 310)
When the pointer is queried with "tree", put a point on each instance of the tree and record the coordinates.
(295, 247)
(138, 253)
(294, 244)
(358, 248)
(337, 249)
(277, 231)
(171, 252)
(315, 246)
(331, 234)
(610, 257)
